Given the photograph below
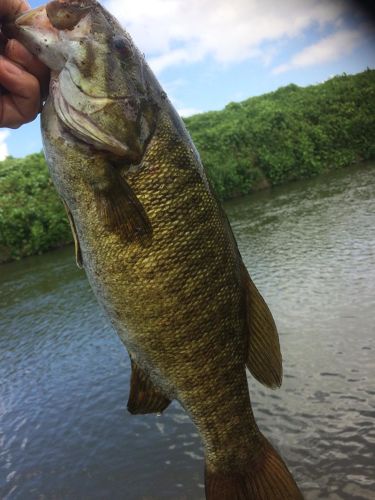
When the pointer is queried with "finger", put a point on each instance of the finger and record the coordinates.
(9, 8)
(15, 51)
(22, 104)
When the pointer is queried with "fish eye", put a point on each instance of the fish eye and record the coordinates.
(123, 46)
(65, 15)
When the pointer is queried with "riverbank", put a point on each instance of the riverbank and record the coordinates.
(290, 134)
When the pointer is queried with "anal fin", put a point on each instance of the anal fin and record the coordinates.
(77, 246)
(264, 356)
(144, 396)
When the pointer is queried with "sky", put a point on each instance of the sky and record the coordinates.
(207, 53)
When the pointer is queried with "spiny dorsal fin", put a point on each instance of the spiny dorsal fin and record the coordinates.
(77, 246)
(120, 210)
(263, 356)
(144, 396)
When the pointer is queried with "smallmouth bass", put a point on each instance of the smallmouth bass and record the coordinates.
(155, 244)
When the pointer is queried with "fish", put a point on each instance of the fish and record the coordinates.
(156, 245)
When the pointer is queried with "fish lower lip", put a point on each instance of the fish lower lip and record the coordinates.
(27, 18)
(18, 21)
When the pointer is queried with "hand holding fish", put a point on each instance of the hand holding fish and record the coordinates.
(23, 78)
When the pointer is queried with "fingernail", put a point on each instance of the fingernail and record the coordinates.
(9, 46)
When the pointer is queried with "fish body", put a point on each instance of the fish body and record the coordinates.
(155, 244)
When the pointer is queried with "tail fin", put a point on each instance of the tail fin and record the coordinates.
(266, 478)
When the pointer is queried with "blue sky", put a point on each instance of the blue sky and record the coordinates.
(207, 53)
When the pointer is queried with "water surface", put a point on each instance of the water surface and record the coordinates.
(64, 375)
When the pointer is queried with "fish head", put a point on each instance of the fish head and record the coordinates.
(100, 82)
(81, 36)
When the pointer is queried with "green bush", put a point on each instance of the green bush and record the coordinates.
(292, 133)
(32, 217)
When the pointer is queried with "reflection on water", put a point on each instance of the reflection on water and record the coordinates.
(64, 375)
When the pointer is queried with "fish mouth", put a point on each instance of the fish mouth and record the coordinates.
(35, 20)
(36, 32)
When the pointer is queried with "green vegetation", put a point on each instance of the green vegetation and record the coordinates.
(290, 134)
(32, 218)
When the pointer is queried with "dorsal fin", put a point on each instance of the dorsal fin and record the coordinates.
(144, 396)
(263, 357)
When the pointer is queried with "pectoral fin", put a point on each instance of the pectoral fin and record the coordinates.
(77, 247)
(144, 396)
(263, 356)
(120, 210)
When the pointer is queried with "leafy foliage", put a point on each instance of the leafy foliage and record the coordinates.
(289, 134)
(292, 133)
(32, 217)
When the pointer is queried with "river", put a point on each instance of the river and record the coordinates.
(64, 375)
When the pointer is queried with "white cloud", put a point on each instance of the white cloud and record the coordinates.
(328, 49)
(4, 134)
(174, 32)
(185, 112)
(172, 57)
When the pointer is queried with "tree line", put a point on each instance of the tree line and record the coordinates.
(286, 135)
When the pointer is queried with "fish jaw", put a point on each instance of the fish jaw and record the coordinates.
(36, 32)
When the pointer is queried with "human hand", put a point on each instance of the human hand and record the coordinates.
(24, 78)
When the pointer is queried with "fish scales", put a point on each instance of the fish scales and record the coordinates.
(155, 244)
(144, 285)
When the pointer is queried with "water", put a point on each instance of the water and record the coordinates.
(64, 375)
